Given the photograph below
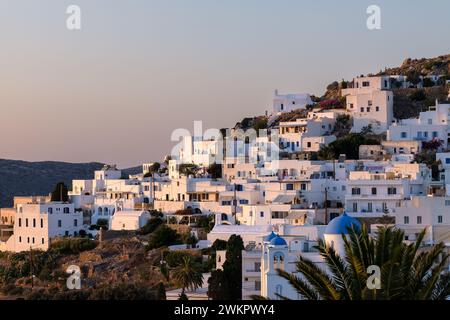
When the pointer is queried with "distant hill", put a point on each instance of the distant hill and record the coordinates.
(22, 178)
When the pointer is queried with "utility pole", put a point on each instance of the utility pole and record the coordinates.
(31, 268)
(234, 200)
(326, 205)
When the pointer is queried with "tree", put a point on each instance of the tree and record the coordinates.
(188, 275)
(207, 223)
(418, 95)
(103, 223)
(227, 285)
(348, 145)
(407, 272)
(260, 124)
(367, 130)
(413, 76)
(218, 285)
(150, 226)
(188, 169)
(342, 125)
(427, 82)
(215, 170)
(152, 169)
(60, 194)
(163, 236)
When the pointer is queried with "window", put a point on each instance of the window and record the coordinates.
(406, 220)
(257, 285)
(34, 223)
(355, 207)
(447, 203)
(20, 239)
(430, 121)
(261, 214)
(50, 210)
(392, 190)
(434, 134)
(289, 186)
(377, 109)
(282, 107)
(419, 219)
(32, 240)
(42, 240)
(369, 207)
(368, 109)
(366, 84)
(28, 239)
(59, 224)
(369, 103)
(279, 291)
(403, 134)
(356, 191)
(362, 109)
(75, 222)
(439, 219)
(351, 105)
(374, 191)
(447, 160)
(66, 210)
(42, 223)
(20, 222)
(26, 222)
(308, 144)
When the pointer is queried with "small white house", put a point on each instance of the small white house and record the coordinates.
(129, 220)
(289, 102)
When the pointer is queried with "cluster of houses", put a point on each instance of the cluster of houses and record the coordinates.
(279, 205)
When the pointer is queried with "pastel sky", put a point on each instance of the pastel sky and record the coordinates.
(138, 69)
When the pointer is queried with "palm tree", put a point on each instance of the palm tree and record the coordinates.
(188, 275)
(408, 271)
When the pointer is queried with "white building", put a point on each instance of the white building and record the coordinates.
(129, 220)
(380, 190)
(289, 102)
(370, 101)
(306, 134)
(37, 223)
(431, 124)
(425, 212)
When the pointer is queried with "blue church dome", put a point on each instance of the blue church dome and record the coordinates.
(269, 237)
(278, 241)
(340, 225)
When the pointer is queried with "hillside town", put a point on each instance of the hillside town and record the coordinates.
(307, 172)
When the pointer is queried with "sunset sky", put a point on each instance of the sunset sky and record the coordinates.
(115, 90)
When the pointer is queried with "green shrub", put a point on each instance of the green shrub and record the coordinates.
(72, 245)
(163, 236)
(150, 226)
(418, 95)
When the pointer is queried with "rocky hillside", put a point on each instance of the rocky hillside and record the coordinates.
(39, 178)
(424, 66)
(409, 102)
